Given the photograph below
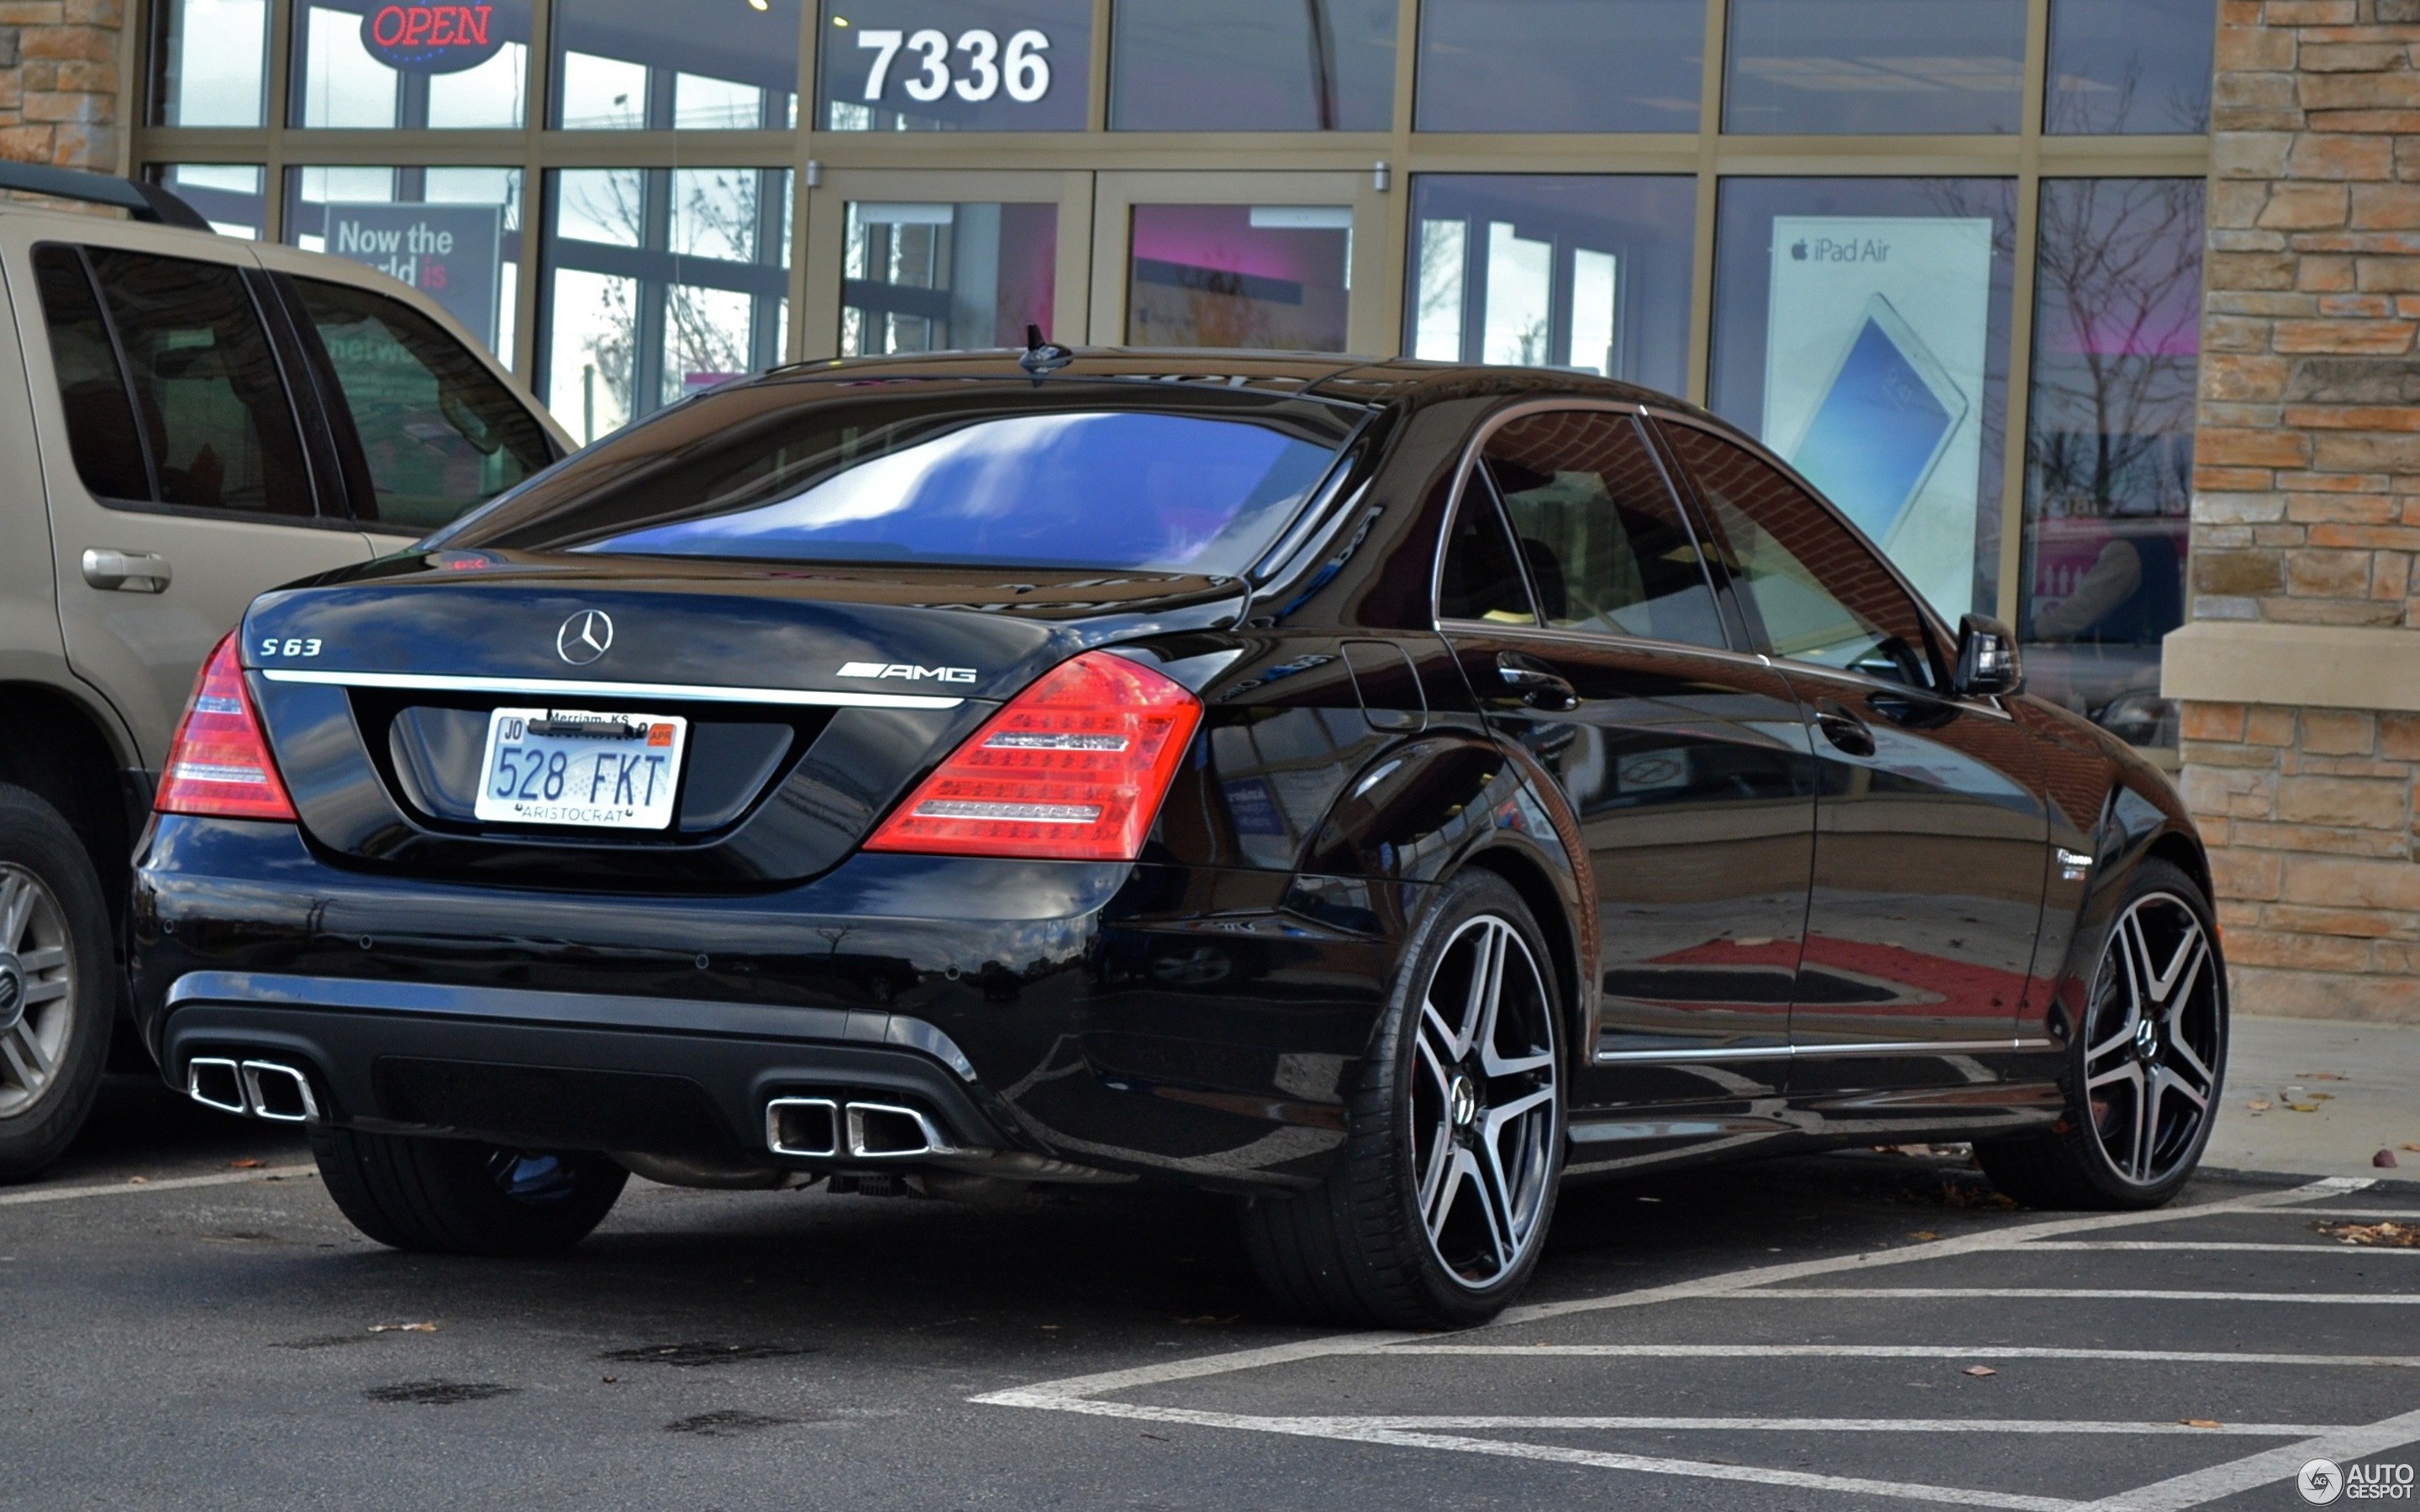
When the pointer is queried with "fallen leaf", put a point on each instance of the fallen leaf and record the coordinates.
(2391, 1235)
(2323, 1076)
(1978, 1370)
(610, 1380)
(1924, 1233)
(2262, 1104)
(2304, 1107)
(403, 1328)
(2201, 1421)
(2383, 1160)
(2408, 1144)
(138, 1180)
(244, 1165)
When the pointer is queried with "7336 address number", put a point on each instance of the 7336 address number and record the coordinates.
(1021, 67)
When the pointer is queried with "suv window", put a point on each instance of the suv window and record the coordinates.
(441, 434)
(212, 423)
(92, 389)
(1603, 537)
(1821, 593)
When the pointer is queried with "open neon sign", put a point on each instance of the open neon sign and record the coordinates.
(430, 38)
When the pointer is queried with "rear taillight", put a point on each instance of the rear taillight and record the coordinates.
(219, 764)
(1073, 769)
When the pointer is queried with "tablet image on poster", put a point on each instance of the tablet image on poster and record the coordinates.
(1875, 372)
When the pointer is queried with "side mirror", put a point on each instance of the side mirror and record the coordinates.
(1988, 663)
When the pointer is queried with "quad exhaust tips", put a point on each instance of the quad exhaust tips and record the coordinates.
(822, 1128)
(263, 1088)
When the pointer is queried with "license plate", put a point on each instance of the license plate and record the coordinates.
(580, 766)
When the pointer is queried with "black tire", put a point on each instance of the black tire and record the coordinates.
(2099, 1156)
(59, 991)
(457, 1196)
(1358, 1249)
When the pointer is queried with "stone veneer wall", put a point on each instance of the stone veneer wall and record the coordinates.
(2301, 746)
(62, 95)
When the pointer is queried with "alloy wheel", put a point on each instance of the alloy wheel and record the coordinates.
(2153, 1039)
(1484, 1116)
(37, 988)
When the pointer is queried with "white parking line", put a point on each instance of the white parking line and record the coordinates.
(2196, 1486)
(1838, 1425)
(1906, 1352)
(174, 1184)
(2346, 1299)
(2330, 1249)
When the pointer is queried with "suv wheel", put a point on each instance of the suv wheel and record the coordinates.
(56, 1001)
(2143, 1074)
(458, 1197)
(1436, 1207)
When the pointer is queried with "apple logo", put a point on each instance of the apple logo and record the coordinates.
(1798, 250)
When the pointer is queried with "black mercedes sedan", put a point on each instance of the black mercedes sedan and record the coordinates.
(1380, 791)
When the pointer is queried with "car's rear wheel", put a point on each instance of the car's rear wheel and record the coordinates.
(1436, 1207)
(56, 992)
(458, 1197)
(2144, 1071)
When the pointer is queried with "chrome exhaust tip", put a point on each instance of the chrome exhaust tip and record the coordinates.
(887, 1131)
(802, 1126)
(279, 1093)
(216, 1083)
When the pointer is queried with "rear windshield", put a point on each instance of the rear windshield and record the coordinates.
(1080, 476)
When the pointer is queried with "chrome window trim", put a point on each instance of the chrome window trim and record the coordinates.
(1795, 1052)
(549, 686)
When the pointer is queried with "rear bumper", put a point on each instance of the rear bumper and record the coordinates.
(1194, 1024)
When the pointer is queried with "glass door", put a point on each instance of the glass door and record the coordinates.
(914, 262)
(1266, 260)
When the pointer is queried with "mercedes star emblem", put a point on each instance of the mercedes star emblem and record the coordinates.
(584, 637)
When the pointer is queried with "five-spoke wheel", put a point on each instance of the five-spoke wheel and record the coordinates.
(37, 988)
(57, 1000)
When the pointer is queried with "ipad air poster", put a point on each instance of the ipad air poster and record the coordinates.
(1875, 362)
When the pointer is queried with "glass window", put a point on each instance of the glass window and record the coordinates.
(371, 65)
(1585, 272)
(1604, 539)
(928, 277)
(2130, 66)
(702, 65)
(1818, 590)
(1253, 66)
(2109, 451)
(956, 65)
(1270, 276)
(1883, 67)
(227, 194)
(775, 473)
(1559, 66)
(219, 428)
(1480, 578)
(92, 386)
(211, 63)
(661, 282)
(439, 432)
(454, 234)
(1861, 331)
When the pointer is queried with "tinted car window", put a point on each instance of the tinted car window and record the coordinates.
(1103, 476)
(441, 435)
(1600, 529)
(1819, 589)
(1479, 578)
(92, 388)
(208, 396)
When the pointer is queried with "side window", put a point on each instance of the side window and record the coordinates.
(1823, 596)
(1605, 543)
(212, 409)
(1480, 578)
(92, 388)
(442, 436)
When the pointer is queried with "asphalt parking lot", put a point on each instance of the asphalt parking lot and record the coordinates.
(1847, 1331)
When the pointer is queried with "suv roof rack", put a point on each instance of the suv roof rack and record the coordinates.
(145, 202)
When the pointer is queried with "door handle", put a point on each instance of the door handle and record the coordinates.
(1536, 687)
(133, 572)
(1843, 729)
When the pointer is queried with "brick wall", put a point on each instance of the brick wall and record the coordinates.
(2306, 504)
(59, 82)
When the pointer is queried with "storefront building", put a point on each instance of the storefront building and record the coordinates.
(1947, 256)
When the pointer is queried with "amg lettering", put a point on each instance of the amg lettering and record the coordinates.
(907, 671)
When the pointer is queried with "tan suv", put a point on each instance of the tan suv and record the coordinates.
(189, 420)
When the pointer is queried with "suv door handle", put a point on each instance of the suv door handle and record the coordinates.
(133, 572)
(1535, 686)
(1843, 729)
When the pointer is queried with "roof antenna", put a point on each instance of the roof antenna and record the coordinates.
(1043, 356)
